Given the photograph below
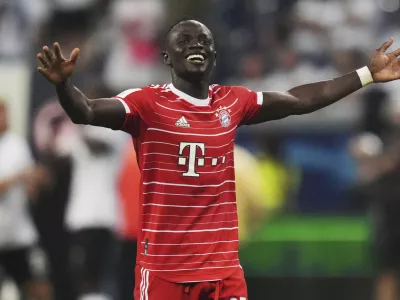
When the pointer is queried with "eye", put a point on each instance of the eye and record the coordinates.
(182, 42)
(206, 42)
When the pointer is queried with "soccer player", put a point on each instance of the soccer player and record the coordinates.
(183, 133)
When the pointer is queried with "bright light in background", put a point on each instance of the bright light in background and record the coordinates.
(389, 5)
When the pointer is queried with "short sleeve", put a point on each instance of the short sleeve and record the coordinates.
(136, 108)
(250, 102)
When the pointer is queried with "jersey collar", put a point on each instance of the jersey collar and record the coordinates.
(188, 98)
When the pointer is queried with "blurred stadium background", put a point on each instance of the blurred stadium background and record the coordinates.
(321, 185)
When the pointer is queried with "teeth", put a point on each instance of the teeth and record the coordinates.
(196, 57)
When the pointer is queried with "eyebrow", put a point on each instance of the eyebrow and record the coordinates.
(201, 35)
(183, 34)
(205, 35)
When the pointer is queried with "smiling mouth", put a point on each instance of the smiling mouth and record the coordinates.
(197, 59)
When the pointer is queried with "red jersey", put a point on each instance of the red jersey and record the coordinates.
(188, 215)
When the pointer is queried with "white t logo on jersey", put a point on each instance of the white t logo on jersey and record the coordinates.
(193, 159)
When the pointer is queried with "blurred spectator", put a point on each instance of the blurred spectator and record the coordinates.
(135, 48)
(376, 152)
(375, 120)
(19, 178)
(129, 183)
(280, 181)
(51, 127)
(92, 211)
(250, 199)
(379, 185)
(84, 12)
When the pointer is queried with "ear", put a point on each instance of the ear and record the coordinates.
(166, 58)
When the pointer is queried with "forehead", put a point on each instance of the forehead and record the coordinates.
(190, 27)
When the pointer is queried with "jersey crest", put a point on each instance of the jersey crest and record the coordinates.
(223, 114)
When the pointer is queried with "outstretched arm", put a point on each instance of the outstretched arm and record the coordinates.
(56, 69)
(314, 96)
(108, 113)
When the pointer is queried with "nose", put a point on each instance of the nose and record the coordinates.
(195, 44)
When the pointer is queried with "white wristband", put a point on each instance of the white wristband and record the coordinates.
(365, 76)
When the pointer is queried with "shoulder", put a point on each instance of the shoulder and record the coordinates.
(219, 89)
(140, 99)
(144, 92)
(222, 91)
(239, 91)
(131, 92)
(248, 96)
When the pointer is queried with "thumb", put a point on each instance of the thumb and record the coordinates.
(74, 56)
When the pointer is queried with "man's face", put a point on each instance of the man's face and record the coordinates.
(3, 118)
(190, 51)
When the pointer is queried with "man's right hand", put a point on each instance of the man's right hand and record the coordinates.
(56, 68)
(109, 113)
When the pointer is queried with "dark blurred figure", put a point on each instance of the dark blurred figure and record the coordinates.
(380, 185)
(20, 258)
(377, 155)
(50, 127)
(374, 105)
(85, 14)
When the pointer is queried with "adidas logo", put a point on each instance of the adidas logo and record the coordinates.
(182, 122)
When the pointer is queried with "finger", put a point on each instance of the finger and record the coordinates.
(396, 52)
(385, 45)
(48, 53)
(42, 70)
(57, 51)
(44, 61)
(74, 56)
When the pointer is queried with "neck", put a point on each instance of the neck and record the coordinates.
(197, 89)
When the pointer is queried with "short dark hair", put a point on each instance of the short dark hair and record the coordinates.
(171, 28)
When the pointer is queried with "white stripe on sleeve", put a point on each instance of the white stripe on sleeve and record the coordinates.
(127, 109)
(260, 98)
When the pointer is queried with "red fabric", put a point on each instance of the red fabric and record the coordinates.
(149, 286)
(188, 214)
(129, 184)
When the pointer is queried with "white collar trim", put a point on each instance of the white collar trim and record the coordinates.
(188, 98)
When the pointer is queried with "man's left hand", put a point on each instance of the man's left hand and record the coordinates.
(385, 66)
